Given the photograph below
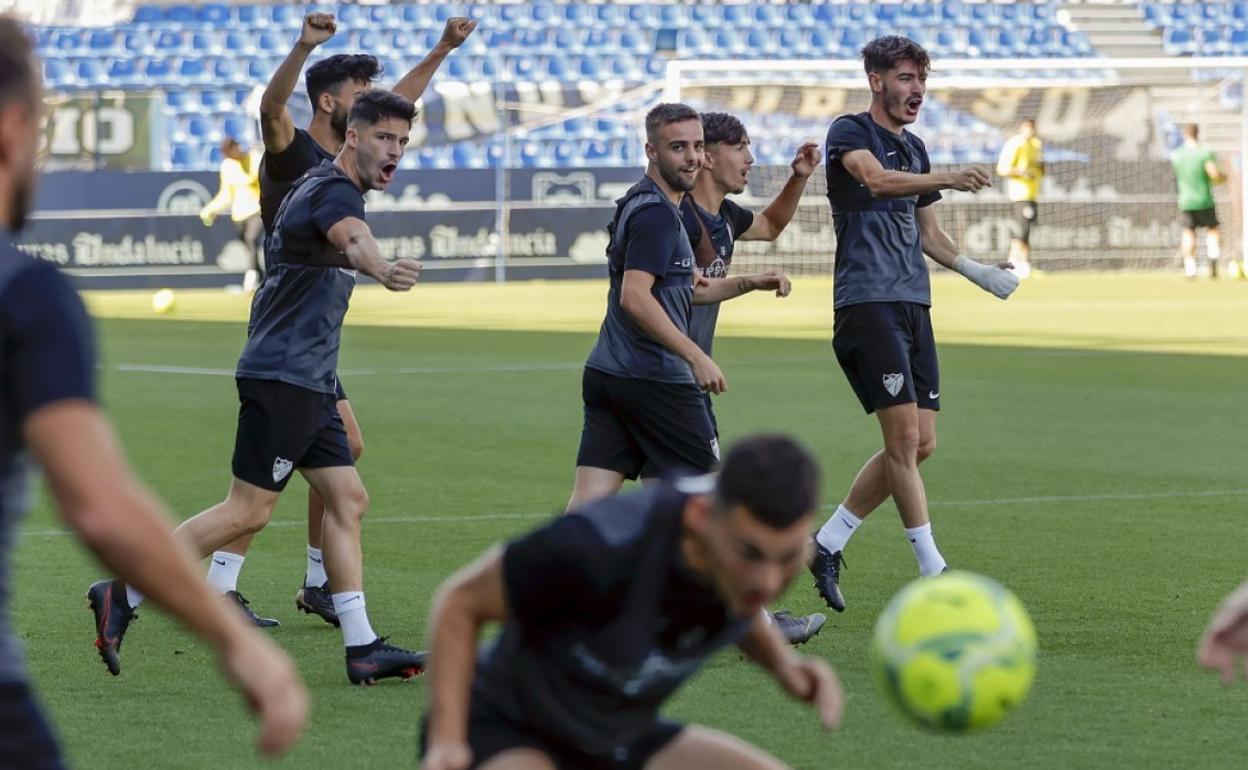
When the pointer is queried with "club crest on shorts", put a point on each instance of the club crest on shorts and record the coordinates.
(893, 383)
(281, 469)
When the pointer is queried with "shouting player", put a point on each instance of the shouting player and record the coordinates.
(289, 152)
(286, 378)
(881, 188)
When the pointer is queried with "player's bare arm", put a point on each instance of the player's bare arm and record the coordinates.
(637, 300)
(466, 601)
(866, 168)
(277, 129)
(805, 679)
(1214, 172)
(353, 238)
(127, 529)
(709, 291)
(412, 86)
(997, 280)
(768, 225)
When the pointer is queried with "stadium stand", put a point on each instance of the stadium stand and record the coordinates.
(207, 58)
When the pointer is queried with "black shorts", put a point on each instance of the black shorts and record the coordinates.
(1199, 218)
(490, 733)
(631, 424)
(339, 393)
(282, 427)
(888, 354)
(1025, 215)
(26, 739)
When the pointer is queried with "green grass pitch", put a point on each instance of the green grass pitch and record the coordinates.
(1091, 456)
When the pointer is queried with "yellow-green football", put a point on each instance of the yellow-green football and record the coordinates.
(955, 652)
(164, 301)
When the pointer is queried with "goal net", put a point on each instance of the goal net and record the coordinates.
(1107, 202)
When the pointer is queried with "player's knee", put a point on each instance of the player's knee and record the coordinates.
(353, 504)
(927, 447)
(902, 443)
(253, 518)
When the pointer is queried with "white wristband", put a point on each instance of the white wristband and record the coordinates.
(1000, 283)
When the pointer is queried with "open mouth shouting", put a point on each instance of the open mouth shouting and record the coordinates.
(912, 106)
(386, 173)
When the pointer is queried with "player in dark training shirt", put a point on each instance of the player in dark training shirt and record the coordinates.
(49, 417)
(881, 188)
(714, 224)
(609, 609)
(644, 378)
(286, 377)
(289, 152)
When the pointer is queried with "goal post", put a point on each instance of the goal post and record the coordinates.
(1108, 200)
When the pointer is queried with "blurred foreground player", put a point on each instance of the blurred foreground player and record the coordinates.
(48, 411)
(286, 379)
(1021, 163)
(882, 189)
(649, 585)
(332, 85)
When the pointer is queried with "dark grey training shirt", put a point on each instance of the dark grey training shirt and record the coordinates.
(712, 237)
(47, 354)
(296, 316)
(647, 235)
(878, 254)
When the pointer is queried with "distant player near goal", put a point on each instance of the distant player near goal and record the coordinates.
(882, 189)
(1022, 165)
(1196, 172)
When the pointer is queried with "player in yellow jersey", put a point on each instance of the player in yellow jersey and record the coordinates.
(1022, 165)
(239, 194)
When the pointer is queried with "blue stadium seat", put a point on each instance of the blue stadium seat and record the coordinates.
(270, 42)
(442, 13)
(350, 16)
(489, 69)
(124, 73)
(414, 15)
(467, 155)
(238, 127)
(69, 43)
(170, 42)
(587, 68)
(181, 101)
(199, 127)
(597, 152)
(557, 68)
(673, 15)
(367, 41)
(213, 14)
(286, 15)
(642, 16)
(217, 101)
(184, 157)
(159, 71)
(633, 41)
(89, 72)
(239, 43)
(215, 156)
(735, 15)
(180, 14)
(102, 41)
(260, 70)
(148, 14)
(757, 43)
(768, 15)
(204, 43)
(542, 14)
(244, 15)
(655, 67)
(193, 70)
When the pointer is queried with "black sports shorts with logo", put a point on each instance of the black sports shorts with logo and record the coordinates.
(1025, 215)
(282, 427)
(490, 733)
(632, 424)
(888, 354)
(1199, 218)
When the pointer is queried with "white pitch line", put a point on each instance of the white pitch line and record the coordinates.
(284, 523)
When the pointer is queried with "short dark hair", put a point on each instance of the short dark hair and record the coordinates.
(378, 104)
(1027, 122)
(721, 127)
(772, 476)
(17, 64)
(887, 52)
(666, 114)
(1192, 130)
(330, 73)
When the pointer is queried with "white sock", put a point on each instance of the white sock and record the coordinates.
(314, 576)
(1189, 266)
(1213, 247)
(356, 630)
(133, 597)
(930, 561)
(836, 531)
(223, 571)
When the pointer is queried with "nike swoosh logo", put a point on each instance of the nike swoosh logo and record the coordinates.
(313, 558)
(218, 561)
(933, 394)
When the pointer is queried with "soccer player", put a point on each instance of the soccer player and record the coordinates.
(643, 381)
(882, 189)
(1021, 163)
(1196, 171)
(49, 414)
(289, 152)
(287, 417)
(714, 224)
(649, 585)
(239, 194)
